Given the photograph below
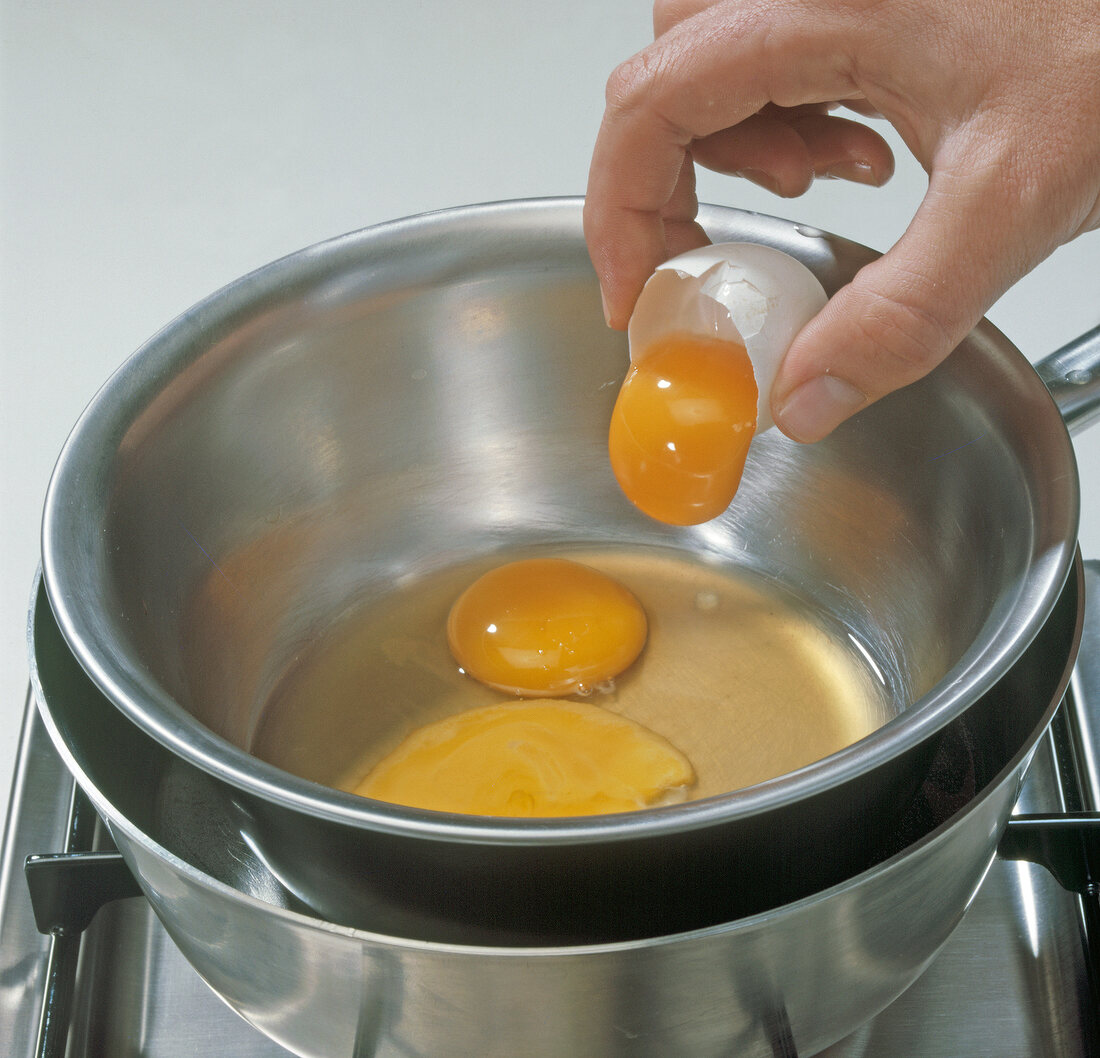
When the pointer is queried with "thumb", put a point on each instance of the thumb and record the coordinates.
(903, 314)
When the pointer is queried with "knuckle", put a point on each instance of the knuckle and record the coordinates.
(907, 339)
(638, 89)
(630, 82)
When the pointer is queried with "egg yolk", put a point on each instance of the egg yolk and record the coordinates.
(545, 627)
(681, 427)
(533, 758)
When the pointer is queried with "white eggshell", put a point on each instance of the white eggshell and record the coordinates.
(740, 291)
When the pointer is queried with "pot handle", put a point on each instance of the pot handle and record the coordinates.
(1072, 374)
(1066, 845)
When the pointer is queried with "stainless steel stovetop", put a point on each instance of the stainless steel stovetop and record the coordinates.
(1017, 979)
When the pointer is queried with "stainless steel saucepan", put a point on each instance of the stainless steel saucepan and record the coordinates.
(385, 405)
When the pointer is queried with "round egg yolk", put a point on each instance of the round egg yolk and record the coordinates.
(545, 627)
(533, 758)
(681, 427)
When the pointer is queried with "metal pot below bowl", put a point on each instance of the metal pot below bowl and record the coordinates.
(801, 975)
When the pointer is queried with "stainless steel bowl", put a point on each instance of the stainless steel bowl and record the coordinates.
(391, 402)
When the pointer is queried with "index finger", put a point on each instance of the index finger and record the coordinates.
(706, 74)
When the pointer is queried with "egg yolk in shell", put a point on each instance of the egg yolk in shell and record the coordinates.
(531, 758)
(682, 425)
(545, 627)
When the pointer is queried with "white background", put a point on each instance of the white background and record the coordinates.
(151, 152)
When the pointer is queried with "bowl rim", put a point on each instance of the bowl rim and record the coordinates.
(72, 567)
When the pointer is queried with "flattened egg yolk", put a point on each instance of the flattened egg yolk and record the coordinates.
(681, 427)
(545, 627)
(534, 758)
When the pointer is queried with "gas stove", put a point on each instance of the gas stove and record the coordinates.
(1020, 978)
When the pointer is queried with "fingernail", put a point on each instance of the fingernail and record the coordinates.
(817, 407)
(859, 172)
(761, 179)
(606, 310)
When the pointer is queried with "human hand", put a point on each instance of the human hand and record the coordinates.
(999, 100)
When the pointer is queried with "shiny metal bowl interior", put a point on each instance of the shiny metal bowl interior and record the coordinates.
(410, 396)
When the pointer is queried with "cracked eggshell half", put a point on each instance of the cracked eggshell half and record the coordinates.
(743, 292)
